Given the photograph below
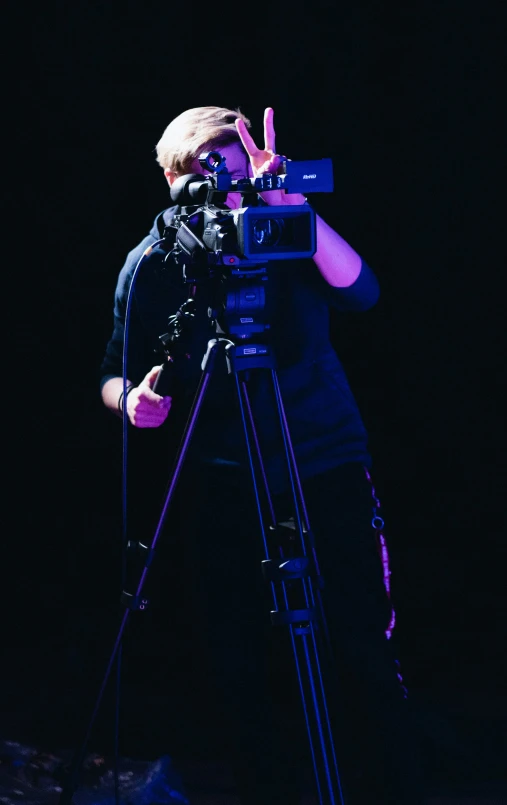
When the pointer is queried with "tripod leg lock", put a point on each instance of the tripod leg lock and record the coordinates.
(138, 549)
(296, 568)
(133, 602)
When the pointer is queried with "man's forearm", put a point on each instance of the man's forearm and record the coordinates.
(111, 391)
(338, 262)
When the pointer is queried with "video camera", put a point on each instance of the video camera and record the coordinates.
(208, 235)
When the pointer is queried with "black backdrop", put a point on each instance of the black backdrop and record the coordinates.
(407, 101)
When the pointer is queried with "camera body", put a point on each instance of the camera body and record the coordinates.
(229, 249)
(209, 235)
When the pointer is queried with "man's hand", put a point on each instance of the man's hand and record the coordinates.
(266, 160)
(146, 408)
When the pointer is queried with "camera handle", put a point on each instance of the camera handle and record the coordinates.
(296, 603)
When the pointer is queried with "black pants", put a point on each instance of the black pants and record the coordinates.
(250, 665)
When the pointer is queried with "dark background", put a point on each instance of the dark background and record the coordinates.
(408, 103)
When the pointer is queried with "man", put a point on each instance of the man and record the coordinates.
(244, 655)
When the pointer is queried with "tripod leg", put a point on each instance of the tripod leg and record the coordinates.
(299, 501)
(297, 491)
(262, 469)
(207, 365)
(300, 621)
(301, 513)
(136, 602)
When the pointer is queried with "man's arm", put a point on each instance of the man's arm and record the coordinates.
(111, 392)
(338, 263)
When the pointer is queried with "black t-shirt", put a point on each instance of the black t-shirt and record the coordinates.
(324, 422)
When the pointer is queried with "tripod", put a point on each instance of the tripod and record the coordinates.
(293, 579)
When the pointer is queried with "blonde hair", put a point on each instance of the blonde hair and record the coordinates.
(194, 131)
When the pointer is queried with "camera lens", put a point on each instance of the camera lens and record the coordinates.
(267, 231)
